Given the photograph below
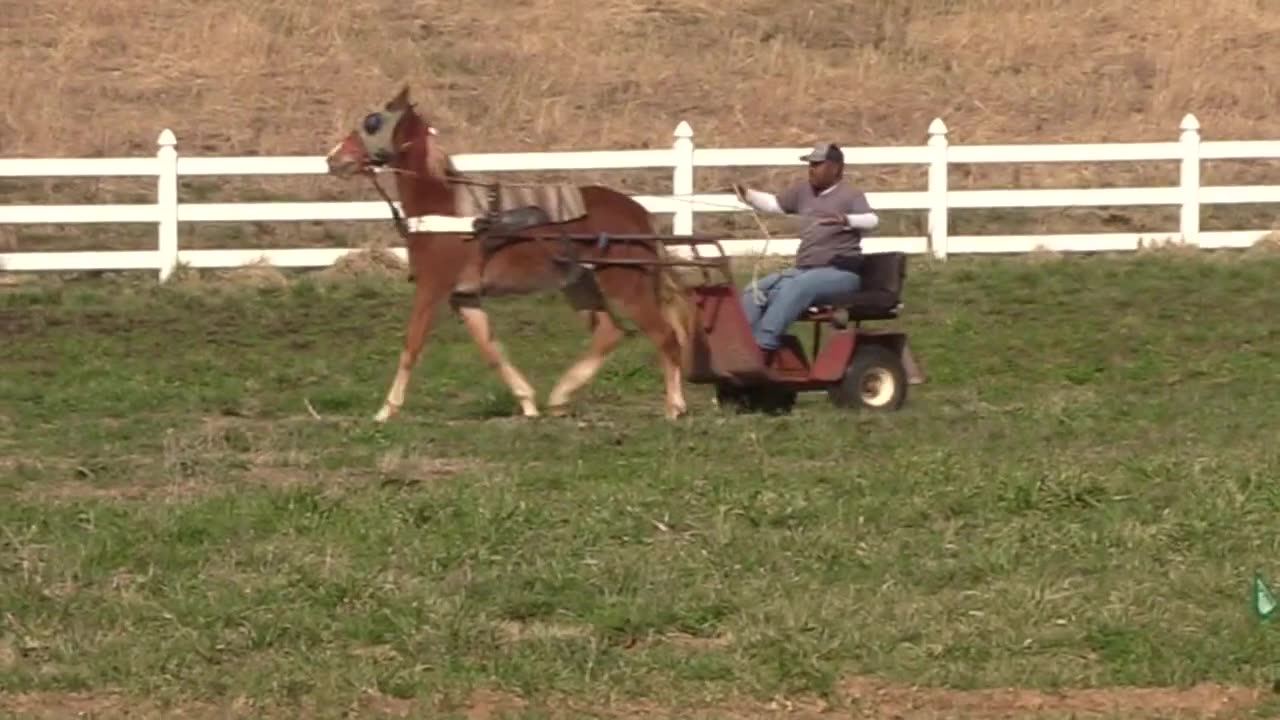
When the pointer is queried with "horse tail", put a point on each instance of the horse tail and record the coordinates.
(673, 298)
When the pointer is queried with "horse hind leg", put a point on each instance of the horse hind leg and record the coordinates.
(605, 337)
(672, 374)
(582, 291)
(476, 321)
(655, 325)
(634, 293)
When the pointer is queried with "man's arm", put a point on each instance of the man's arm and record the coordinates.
(861, 215)
(767, 202)
(762, 201)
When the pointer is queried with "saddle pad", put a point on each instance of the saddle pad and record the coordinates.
(561, 202)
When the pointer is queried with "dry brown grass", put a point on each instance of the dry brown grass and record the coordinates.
(375, 261)
(233, 77)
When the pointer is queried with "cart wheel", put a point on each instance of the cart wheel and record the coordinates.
(768, 399)
(875, 379)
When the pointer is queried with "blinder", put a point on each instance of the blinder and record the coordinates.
(378, 127)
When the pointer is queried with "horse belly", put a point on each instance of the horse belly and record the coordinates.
(522, 270)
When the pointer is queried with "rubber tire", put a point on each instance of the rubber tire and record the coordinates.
(870, 358)
(768, 399)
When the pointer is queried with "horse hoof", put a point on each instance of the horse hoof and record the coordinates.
(558, 411)
(384, 414)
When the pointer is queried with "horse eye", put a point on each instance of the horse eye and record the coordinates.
(372, 123)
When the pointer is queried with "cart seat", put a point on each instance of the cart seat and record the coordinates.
(880, 298)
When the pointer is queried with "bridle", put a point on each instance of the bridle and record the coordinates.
(402, 226)
(384, 165)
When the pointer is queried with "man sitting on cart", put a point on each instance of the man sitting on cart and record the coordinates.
(828, 259)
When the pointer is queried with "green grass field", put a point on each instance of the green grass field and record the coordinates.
(1069, 510)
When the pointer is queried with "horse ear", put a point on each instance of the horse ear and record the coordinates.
(401, 100)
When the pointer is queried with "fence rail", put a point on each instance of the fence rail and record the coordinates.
(167, 213)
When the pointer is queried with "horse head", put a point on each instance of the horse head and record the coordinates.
(386, 137)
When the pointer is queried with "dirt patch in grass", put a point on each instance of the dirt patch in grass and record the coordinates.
(8, 654)
(1208, 700)
(693, 642)
(411, 468)
(860, 698)
(152, 488)
(517, 631)
(16, 322)
(373, 261)
(73, 491)
(60, 705)
(1269, 243)
(220, 455)
(257, 274)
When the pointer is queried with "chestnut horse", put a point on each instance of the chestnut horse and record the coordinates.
(460, 266)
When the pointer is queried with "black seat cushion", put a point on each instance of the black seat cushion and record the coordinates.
(883, 275)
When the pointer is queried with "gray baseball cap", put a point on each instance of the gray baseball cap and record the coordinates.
(824, 151)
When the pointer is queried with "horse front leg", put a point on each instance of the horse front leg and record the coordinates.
(477, 323)
(419, 326)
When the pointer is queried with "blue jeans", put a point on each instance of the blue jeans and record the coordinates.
(788, 294)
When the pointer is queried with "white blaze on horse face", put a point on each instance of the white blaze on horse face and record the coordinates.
(339, 159)
(332, 155)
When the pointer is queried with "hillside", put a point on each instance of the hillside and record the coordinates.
(288, 77)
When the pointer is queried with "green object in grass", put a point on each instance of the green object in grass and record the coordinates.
(1264, 601)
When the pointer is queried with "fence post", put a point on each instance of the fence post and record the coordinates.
(938, 220)
(167, 202)
(1189, 225)
(682, 179)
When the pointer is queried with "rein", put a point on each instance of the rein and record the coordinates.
(401, 226)
(755, 266)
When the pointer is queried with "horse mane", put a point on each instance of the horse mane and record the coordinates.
(439, 162)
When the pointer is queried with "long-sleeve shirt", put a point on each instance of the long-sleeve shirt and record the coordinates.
(821, 240)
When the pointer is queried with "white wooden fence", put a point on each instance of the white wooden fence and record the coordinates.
(167, 213)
